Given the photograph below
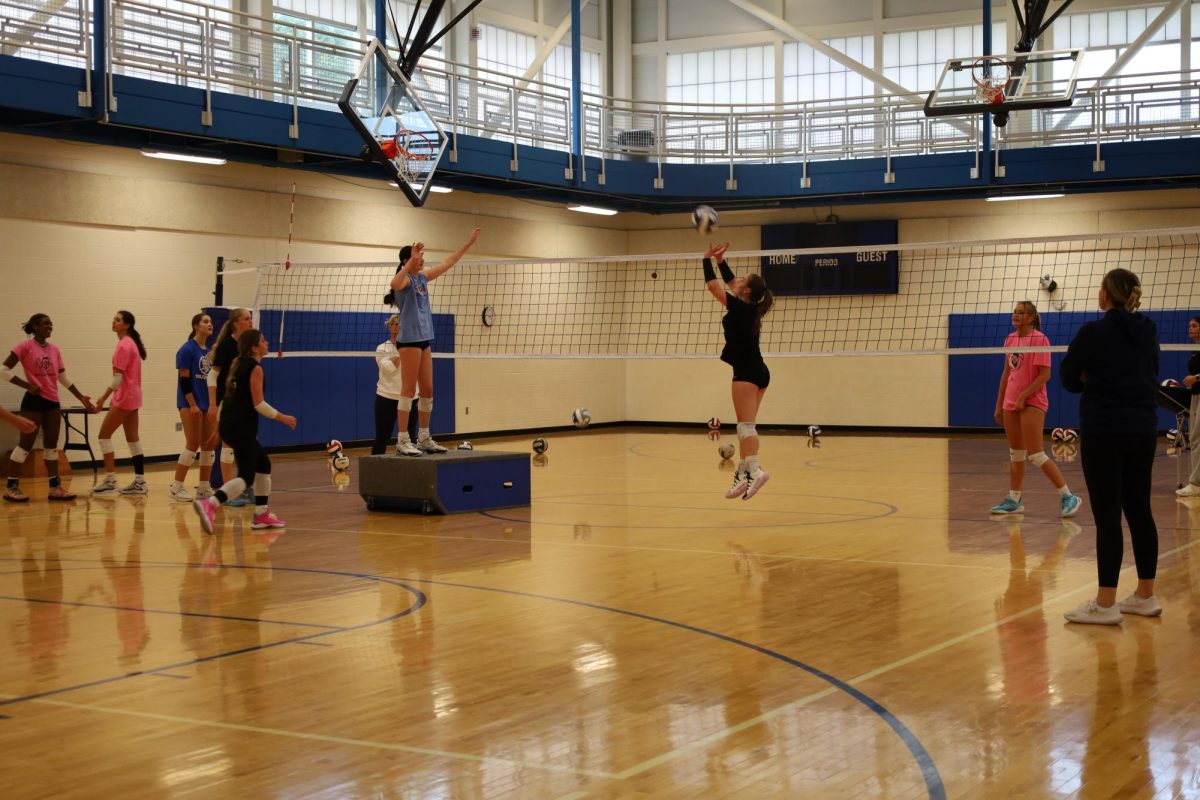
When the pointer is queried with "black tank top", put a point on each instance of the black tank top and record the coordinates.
(221, 359)
(238, 407)
(741, 340)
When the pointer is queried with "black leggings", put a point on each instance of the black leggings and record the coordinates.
(385, 423)
(248, 454)
(1118, 472)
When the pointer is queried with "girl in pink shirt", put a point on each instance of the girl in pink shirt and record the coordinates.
(44, 371)
(1021, 406)
(126, 392)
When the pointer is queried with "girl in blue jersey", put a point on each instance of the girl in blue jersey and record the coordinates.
(191, 398)
(413, 346)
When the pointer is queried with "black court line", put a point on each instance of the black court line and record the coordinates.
(929, 772)
(155, 610)
(316, 644)
(176, 677)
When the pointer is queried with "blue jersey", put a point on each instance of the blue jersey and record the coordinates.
(416, 320)
(192, 358)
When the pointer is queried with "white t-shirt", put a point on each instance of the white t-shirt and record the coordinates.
(389, 374)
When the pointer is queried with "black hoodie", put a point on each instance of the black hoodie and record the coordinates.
(1114, 362)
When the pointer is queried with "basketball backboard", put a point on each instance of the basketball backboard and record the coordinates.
(398, 132)
(999, 84)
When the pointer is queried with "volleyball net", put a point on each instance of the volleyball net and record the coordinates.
(952, 298)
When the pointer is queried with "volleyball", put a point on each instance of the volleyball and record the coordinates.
(540, 445)
(1057, 435)
(814, 431)
(1169, 383)
(581, 418)
(714, 423)
(1070, 435)
(466, 446)
(1172, 436)
(725, 450)
(334, 446)
(704, 219)
(340, 461)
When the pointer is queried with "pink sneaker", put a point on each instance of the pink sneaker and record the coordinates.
(206, 510)
(267, 520)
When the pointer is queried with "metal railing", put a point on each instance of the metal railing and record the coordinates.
(222, 50)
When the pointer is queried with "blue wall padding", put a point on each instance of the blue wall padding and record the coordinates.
(333, 397)
(974, 379)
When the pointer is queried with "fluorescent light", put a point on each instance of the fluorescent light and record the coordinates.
(1001, 197)
(440, 189)
(604, 212)
(169, 156)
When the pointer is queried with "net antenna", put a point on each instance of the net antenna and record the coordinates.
(1002, 83)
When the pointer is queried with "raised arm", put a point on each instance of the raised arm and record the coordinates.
(403, 277)
(434, 273)
(713, 285)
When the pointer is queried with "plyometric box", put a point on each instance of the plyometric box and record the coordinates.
(460, 480)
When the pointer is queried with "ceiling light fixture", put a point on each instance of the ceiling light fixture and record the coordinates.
(1043, 196)
(440, 189)
(604, 212)
(171, 156)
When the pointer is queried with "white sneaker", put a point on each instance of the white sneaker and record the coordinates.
(1142, 606)
(1191, 490)
(1090, 612)
(740, 479)
(757, 479)
(106, 486)
(180, 494)
(405, 447)
(428, 445)
(204, 494)
(138, 487)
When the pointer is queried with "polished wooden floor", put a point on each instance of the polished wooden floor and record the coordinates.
(861, 628)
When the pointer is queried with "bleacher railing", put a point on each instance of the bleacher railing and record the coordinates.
(219, 49)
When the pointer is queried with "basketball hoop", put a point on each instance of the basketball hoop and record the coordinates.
(990, 74)
(412, 152)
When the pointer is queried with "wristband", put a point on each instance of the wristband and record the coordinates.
(185, 385)
(5, 375)
(709, 275)
(116, 381)
(64, 380)
(266, 410)
(211, 377)
(726, 272)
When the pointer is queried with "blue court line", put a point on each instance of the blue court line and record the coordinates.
(157, 611)
(929, 771)
(933, 780)
(420, 598)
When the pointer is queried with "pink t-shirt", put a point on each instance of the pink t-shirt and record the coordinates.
(42, 364)
(125, 358)
(1023, 369)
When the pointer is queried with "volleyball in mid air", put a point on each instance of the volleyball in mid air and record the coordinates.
(704, 219)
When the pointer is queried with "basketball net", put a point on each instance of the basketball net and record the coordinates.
(411, 152)
(990, 74)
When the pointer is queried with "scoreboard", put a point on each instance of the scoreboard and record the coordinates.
(865, 271)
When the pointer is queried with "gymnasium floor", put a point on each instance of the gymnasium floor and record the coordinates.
(859, 629)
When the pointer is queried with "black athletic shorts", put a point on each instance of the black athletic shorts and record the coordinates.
(35, 402)
(755, 372)
(423, 345)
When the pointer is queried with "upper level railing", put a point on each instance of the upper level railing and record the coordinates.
(222, 50)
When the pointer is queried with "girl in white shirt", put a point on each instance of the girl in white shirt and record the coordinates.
(388, 390)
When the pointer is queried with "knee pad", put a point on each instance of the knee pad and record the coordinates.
(227, 455)
(50, 454)
(425, 404)
(404, 403)
(1016, 456)
(262, 485)
(135, 448)
(206, 458)
(106, 447)
(745, 430)
(18, 455)
(187, 458)
(1038, 458)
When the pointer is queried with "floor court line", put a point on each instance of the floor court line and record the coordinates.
(316, 737)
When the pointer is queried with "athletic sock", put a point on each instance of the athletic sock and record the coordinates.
(751, 464)
(1015, 495)
(1064, 491)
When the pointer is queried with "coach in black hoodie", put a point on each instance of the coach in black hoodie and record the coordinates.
(1114, 362)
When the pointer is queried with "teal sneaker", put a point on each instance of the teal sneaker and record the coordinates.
(1008, 506)
(1070, 505)
(246, 498)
